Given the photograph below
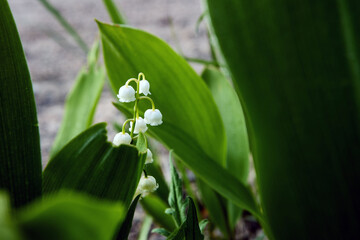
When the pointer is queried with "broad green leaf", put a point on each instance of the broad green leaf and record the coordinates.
(237, 159)
(295, 65)
(81, 102)
(90, 164)
(8, 229)
(70, 216)
(20, 159)
(191, 123)
(125, 227)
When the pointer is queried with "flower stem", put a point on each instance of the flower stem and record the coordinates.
(141, 75)
(149, 99)
(136, 107)
(124, 125)
(130, 80)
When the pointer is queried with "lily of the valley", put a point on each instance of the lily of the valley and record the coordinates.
(140, 126)
(153, 117)
(149, 157)
(122, 138)
(144, 87)
(147, 184)
(126, 94)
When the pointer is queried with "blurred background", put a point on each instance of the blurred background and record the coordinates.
(54, 58)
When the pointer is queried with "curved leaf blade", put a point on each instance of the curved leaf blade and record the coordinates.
(91, 164)
(20, 158)
(237, 158)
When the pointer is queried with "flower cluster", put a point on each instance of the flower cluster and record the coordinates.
(152, 117)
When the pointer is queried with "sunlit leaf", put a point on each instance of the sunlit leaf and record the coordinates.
(8, 229)
(70, 216)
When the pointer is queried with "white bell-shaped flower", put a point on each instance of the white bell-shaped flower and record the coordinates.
(153, 117)
(126, 94)
(149, 157)
(144, 87)
(140, 126)
(121, 138)
(147, 185)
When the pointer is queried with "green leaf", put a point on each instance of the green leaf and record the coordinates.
(176, 201)
(227, 185)
(155, 207)
(81, 102)
(145, 228)
(65, 24)
(216, 205)
(8, 229)
(161, 231)
(141, 143)
(237, 159)
(90, 164)
(20, 159)
(125, 228)
(192, 224)
(114, 12)
(202, 225)
(191, 123)
(70, 216)
(190, 227)
(295, 65)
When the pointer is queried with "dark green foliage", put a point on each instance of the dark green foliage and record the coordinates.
(295, 65)
(20, 159)
(125, 228)
(91, 164)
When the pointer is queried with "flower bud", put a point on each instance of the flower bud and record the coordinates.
(153, 117)
(140, 125)
(126, 94)
(121, 138)
(144, 87)
(149, 157)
